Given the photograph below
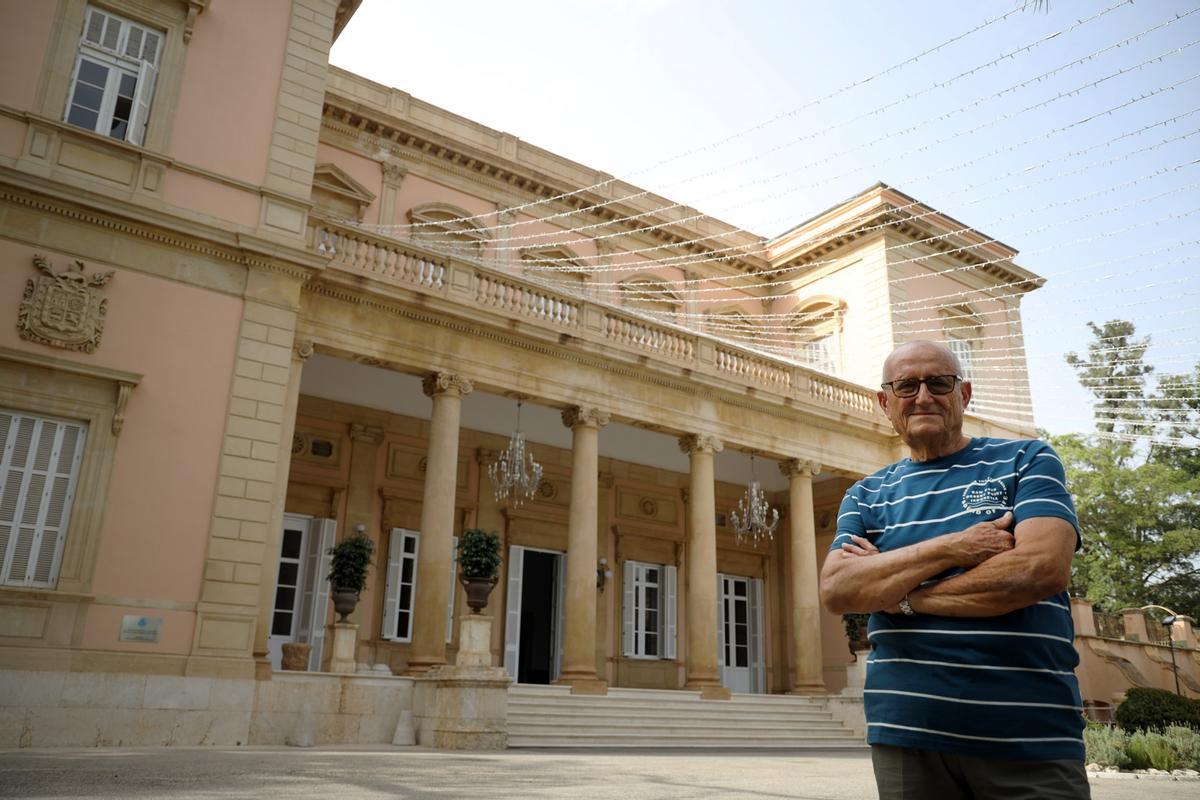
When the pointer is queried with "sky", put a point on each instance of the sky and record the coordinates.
(1071, 134)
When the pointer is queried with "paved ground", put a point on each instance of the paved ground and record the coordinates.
(416, 773)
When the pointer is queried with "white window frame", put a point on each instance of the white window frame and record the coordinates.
(635, 584)
(965, 352)
(393, 585)
(119, 62)
(17, 501)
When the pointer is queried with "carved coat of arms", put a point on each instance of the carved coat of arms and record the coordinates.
(63, 309)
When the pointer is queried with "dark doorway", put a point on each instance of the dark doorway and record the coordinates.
(538, 616)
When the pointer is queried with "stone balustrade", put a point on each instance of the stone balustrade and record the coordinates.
(359, 251)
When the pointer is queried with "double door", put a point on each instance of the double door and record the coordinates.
(301, 587)
(740, 633)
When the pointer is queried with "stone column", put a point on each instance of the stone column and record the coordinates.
(579, 643)
(702, 670)
(437, 521)
(807, 676)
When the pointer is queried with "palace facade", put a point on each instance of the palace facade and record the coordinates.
(257, 303)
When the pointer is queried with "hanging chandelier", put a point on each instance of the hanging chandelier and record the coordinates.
(750, 520)
(515, 475)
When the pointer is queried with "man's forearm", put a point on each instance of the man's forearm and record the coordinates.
(858, 584)
(1003, 583)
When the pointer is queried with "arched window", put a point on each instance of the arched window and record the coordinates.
(557, 264)
(963, 330)
(445, 228)
(650, 294)
(816, 326)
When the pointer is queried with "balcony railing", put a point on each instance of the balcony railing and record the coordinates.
(405, 263)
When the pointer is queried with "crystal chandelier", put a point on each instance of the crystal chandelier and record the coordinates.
(750, 519)
(515, 475)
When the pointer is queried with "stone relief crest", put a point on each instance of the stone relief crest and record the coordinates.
(63, 309)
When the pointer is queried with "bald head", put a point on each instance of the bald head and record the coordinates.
(920, 347)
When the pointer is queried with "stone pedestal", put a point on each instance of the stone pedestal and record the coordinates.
(344, 639)
(465, 706)
(856, 674)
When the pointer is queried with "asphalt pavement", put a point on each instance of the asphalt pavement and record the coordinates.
(413, 773)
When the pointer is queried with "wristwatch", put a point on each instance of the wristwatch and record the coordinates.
(906, 607)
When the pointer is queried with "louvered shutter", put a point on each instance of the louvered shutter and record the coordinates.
(628, 608)
(669, 632)
(391, 593)
(757, 673)
(721, 617)
(453, 588)
(512, 610)
(324, 533)
(142, 93)
(560, 616)
(38, 470)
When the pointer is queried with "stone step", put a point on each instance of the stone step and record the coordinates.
(618, 723)
(846, 741)
(550, 712)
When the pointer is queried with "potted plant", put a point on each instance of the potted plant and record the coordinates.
(478, 565)
(856, 632)
(348, 571)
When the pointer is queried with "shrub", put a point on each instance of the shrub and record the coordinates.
(1105, 746)
(1155, 709)
(479, 553)
(1149, 749)
(351, 557)
(1186, 742)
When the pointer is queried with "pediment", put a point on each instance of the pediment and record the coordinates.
(336, 180)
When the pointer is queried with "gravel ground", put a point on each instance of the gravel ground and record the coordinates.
(349, 773)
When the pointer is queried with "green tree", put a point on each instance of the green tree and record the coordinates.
(1136, 480)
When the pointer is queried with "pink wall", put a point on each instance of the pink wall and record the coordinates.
(218, 200)
(24, 40)
(230, 87)
(159, 506)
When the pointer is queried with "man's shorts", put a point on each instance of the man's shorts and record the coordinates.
(906, 773)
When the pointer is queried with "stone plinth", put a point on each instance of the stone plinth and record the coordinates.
(856, 674)
(344, 639)
(465, 706)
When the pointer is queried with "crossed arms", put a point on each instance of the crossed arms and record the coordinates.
(1004, 571)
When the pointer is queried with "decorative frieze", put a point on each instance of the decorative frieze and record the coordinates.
(796, 466)
(63, 309)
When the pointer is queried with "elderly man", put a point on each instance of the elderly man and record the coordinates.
(962, 552)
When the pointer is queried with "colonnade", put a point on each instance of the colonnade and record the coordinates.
(579, 663)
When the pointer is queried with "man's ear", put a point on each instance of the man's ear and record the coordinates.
(967, 391)
(882, 397)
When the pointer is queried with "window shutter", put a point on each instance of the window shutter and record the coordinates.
(141, 103)
(721, 659)
(628, 608)
(324, 532)
(391, 593)
(38, 469)
(560, 616)
(512, 609)
(757, 676)
(453, 588)
(669, 614)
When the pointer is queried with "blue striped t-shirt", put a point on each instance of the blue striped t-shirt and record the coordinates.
(995, 687)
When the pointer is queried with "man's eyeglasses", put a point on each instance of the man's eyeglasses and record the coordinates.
(910, 387)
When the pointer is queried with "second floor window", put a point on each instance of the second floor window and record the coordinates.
(966, 356)
(113, 81)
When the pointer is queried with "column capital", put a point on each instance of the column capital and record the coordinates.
(366, 433)
(589, 417)
(700, 443)
(798, 466)
(438, 383)
(393, 173)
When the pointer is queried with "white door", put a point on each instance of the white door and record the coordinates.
(512, 610)
(740, 633)
(301, 604)
(289, 583)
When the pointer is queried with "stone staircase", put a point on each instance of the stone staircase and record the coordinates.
(550, 716)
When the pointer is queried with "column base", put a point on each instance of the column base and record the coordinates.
(263, 671)
(715, 693)
(422, 666)
(584, 684)
(807, 688)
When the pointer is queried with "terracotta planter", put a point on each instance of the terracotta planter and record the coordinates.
(344, 602)
(478, 590)
(296, 656)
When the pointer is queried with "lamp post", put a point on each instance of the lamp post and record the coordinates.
(1168, 621)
